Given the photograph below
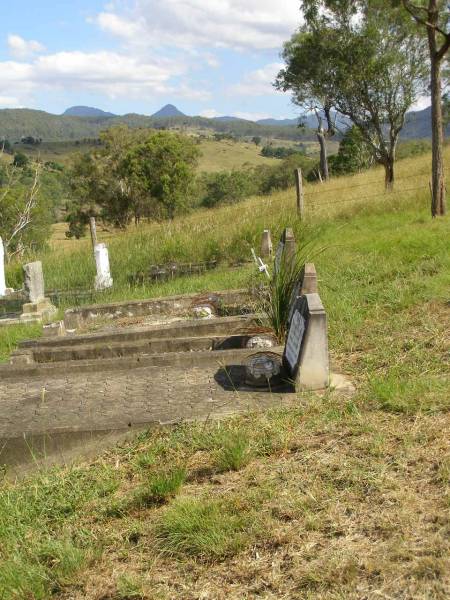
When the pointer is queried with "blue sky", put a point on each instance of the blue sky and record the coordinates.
(209, 57)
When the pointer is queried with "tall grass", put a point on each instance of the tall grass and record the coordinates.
(228, 233)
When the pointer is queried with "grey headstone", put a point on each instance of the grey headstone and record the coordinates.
(34, 281)
(279, 256)
(266, 243)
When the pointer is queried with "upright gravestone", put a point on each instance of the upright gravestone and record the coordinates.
(286, 250)
(103, 279)
(278, 256)
(38, 306)
(2, 270)
(266, 243)
(305, 358)
(290, 247)
(34, 281)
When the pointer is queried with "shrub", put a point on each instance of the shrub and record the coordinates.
(228, 187)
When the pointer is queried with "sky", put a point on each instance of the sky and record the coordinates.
(208, 57)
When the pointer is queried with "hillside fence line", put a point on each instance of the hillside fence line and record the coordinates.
(307, 203)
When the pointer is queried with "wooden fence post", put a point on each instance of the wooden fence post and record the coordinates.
(300, 196)
(93, 228)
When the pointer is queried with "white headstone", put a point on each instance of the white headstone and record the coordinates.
(103, 280)
(34, 281)
(2, 269)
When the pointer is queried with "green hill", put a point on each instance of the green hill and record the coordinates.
(18, 123)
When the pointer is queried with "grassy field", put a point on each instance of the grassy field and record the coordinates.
(337, 498)
(215, 155)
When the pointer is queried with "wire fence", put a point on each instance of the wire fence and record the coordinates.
(311, 200)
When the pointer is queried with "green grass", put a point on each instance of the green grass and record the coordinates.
(13, 334)
(160, 487)
(208, 529)
(235, 451)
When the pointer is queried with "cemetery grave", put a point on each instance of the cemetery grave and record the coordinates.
(189, 357)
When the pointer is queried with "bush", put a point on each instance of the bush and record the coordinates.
(228, 187)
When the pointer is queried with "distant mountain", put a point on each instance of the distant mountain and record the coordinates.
(86, 111)
(278, 122)
(169, 110)
(226, 119)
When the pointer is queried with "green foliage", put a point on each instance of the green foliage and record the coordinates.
(279, 151)
(353, 156)
(163, 166)
(20, 160)
(370, 68)
(26, 208)
(413, 148)
(281, 177)
(135, 174)
(228, 187)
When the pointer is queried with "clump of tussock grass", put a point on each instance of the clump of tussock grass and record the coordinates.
(207, 529)
(274, 300)
(160, 487)
(236, 451)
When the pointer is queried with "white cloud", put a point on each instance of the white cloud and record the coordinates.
(210, 113)
(9, 102)
(238, 24)
(110, 73)
(20, 48)
(252, 116)
(257, 83)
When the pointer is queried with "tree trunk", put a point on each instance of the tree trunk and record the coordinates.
(323, 156)
(438, 201)
(389, 178)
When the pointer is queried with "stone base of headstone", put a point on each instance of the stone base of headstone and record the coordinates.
(43, 309)
(23, 357)
(54, 330)
(103, 282)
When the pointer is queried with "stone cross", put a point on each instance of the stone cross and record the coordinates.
(34, 282)
(266, 243)
(2, 269)
(305, 357)
(103, 279)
